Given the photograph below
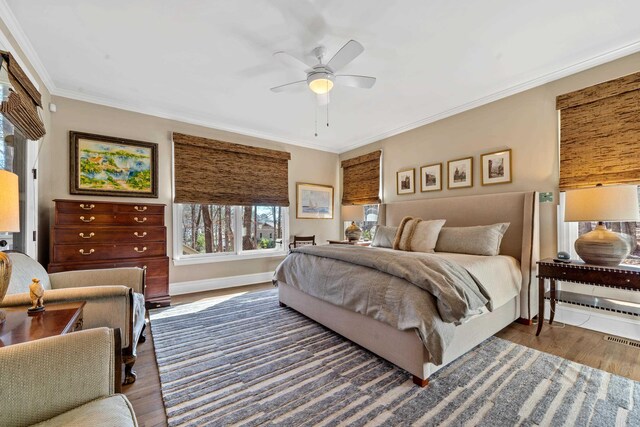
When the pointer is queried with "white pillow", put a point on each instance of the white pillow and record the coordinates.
(384, 236)
(417, 235)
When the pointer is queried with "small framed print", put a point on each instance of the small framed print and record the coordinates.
(460, 173)
(431, 177)
(496, 167)
(405, 181)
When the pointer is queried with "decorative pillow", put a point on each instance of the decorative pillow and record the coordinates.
(476, 240)
(417, 235)
(384, 236)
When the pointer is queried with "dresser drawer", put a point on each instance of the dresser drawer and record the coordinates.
(156, 267)
(82, 207)
(103, 251)
(108, 219)
(90, 234)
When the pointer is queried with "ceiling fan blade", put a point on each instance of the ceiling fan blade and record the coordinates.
(363, 82)
(290, 60)
(346, 54)
(290, 87)
(322, 99)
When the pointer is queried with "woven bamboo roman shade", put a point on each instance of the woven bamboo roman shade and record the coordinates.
(21, 107)
(221, 173)
(600, 134)
(361, 179)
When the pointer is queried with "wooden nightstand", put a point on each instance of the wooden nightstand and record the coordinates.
(621, 276)
(347, 242)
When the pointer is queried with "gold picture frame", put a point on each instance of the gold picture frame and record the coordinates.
(496, 167)
(314, 201)
(406, 181)
(431, 177)
(460, 173)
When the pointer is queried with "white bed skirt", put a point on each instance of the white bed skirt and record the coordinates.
(402, 348)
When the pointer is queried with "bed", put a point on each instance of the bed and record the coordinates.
(405, 348)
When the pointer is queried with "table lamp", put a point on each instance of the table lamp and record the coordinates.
(353, 213)
(600, 203)
(9, 222)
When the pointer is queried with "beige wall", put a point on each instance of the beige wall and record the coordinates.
(526, 122)
(306, 165)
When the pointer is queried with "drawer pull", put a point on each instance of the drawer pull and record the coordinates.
(82, 252)
(86, 237)
(140, 220)
(144, 233)
(140, 209)
(87, 207)
(87, 220)
(140, 251)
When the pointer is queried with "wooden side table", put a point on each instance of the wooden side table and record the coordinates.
(621, 276)
(348, 242)
(56, 319)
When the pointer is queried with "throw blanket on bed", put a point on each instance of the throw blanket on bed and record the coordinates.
(389, 286)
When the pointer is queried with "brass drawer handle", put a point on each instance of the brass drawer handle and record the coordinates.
(87, 220)
(82, 252)
(135, 233)
(86, 237)
(144, 248)
(86, 207)
(140, 209)
(140, 220)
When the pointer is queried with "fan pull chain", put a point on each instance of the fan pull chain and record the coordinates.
(316, 111)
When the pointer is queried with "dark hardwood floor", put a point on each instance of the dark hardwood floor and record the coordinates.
(573, 343)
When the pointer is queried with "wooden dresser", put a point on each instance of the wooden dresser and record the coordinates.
(90, 234)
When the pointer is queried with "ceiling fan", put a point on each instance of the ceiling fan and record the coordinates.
(322, 77)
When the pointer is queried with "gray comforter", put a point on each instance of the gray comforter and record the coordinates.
(389, 286)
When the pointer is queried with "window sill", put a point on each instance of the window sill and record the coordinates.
(212, 258)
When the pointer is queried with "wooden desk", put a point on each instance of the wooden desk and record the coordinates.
(56, 319)
(347, 242)
(622, 277)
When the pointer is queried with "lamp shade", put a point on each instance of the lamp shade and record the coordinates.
(613, 203)
(352, 213)
(9, 202)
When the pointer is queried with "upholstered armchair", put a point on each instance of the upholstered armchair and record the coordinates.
(114, 298)
(65, 380)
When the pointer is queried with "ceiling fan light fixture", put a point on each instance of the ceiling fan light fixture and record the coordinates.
(320, 83)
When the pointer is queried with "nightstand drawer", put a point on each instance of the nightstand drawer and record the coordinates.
(590, 275)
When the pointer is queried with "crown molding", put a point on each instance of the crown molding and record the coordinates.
(122, 105)
(539, 81)
(25, 45)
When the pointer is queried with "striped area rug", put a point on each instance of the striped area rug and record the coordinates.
(244, 360)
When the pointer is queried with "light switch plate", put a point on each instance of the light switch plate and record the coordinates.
(546, 197)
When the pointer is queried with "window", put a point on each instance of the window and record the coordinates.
(370, 222)
(15, 156)
(568, 232)
(210, 231)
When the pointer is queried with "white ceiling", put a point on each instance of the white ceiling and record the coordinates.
(210, 62)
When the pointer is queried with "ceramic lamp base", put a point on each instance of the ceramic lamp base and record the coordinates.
(603, 247)
(353, 232)
(5, 274)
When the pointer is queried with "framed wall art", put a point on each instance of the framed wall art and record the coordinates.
(460, 173)
(314, 201)
(405, 181)
(107, 166)
(496, 167)
(431, 177)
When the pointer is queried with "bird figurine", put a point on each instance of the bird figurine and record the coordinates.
(36, 293)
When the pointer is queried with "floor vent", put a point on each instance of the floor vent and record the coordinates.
(624, 341)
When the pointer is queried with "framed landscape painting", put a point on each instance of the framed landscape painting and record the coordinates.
(496, 167)
(314, 201)
(431, 177)
(460, 173)
(107, 166)
(405, 181)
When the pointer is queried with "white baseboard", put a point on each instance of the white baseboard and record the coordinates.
(181, 288)
(618, 324)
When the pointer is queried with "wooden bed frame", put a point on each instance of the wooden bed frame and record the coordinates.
(404, 348)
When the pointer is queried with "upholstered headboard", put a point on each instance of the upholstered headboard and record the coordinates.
(521, 240)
